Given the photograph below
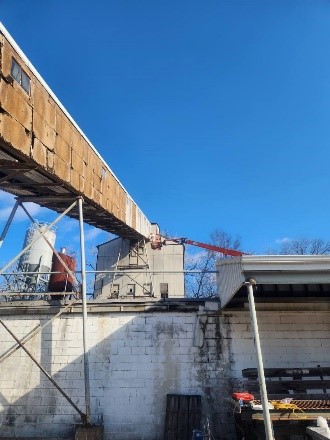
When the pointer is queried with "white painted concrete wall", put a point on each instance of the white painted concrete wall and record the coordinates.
(288, 339)
(138, 358)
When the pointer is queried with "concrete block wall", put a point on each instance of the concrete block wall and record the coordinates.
(136, 359)
(288, 339)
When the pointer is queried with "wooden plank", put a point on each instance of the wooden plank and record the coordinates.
(252, 373)
(278, 386)
(183, 418)
(297, 416)
(194, 420)
(171, 420)
(183, 414)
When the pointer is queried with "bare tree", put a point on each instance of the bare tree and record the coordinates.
(203, 283)
(303, 246)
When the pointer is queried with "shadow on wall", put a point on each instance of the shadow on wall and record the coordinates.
(135, 361)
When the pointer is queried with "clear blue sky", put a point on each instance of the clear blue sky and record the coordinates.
(212, 113)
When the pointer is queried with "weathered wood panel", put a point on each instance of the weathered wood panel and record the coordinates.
(183, 415)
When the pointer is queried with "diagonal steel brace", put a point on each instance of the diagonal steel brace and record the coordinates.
(34, 332)
(82, 415)
(37, 238)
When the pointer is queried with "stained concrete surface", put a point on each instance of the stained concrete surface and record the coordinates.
(89, 433)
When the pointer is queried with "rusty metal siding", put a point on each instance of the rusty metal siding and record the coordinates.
(36, 128)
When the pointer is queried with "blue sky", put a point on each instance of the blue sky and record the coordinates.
(213, 114)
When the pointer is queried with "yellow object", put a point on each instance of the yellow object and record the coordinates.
(281, 405)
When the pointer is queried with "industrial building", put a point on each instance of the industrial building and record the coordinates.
(139, 271)
(139, 361)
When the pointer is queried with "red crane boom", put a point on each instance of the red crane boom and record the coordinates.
(157, 243)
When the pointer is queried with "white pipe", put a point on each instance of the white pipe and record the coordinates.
(84, 304)
(261, 374)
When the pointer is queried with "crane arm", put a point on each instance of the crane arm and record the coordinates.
(210, 247)
(157, 243)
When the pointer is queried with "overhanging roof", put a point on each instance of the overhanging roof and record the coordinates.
(273, 270)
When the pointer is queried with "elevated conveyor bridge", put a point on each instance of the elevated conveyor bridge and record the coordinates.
(46, 158)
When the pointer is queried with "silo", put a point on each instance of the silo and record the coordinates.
(38, 258)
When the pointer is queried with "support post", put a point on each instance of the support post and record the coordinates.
(84, 301)
(261, 374)
(10, 219)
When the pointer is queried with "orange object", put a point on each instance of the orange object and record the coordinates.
(243, 396)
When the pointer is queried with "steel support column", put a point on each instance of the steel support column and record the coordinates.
(261, 374)
(84, 304)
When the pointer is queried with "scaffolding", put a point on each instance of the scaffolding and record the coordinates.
(77, 203)
(77, 297)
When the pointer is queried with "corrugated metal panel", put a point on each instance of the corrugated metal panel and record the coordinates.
(129, 210)
(142, 223)
(293, 263)
(229, 278)
(270, 270)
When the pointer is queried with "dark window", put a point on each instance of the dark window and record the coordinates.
(130, 289)
(20, 76)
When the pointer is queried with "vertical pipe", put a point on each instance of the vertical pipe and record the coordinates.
(83, 285)
(261, 373)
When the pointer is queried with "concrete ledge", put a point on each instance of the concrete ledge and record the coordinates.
(93, 306)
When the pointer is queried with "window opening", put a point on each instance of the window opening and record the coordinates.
(130, 289)
(115, 291)
(20, 76)
(147, 289)
(164, 290)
